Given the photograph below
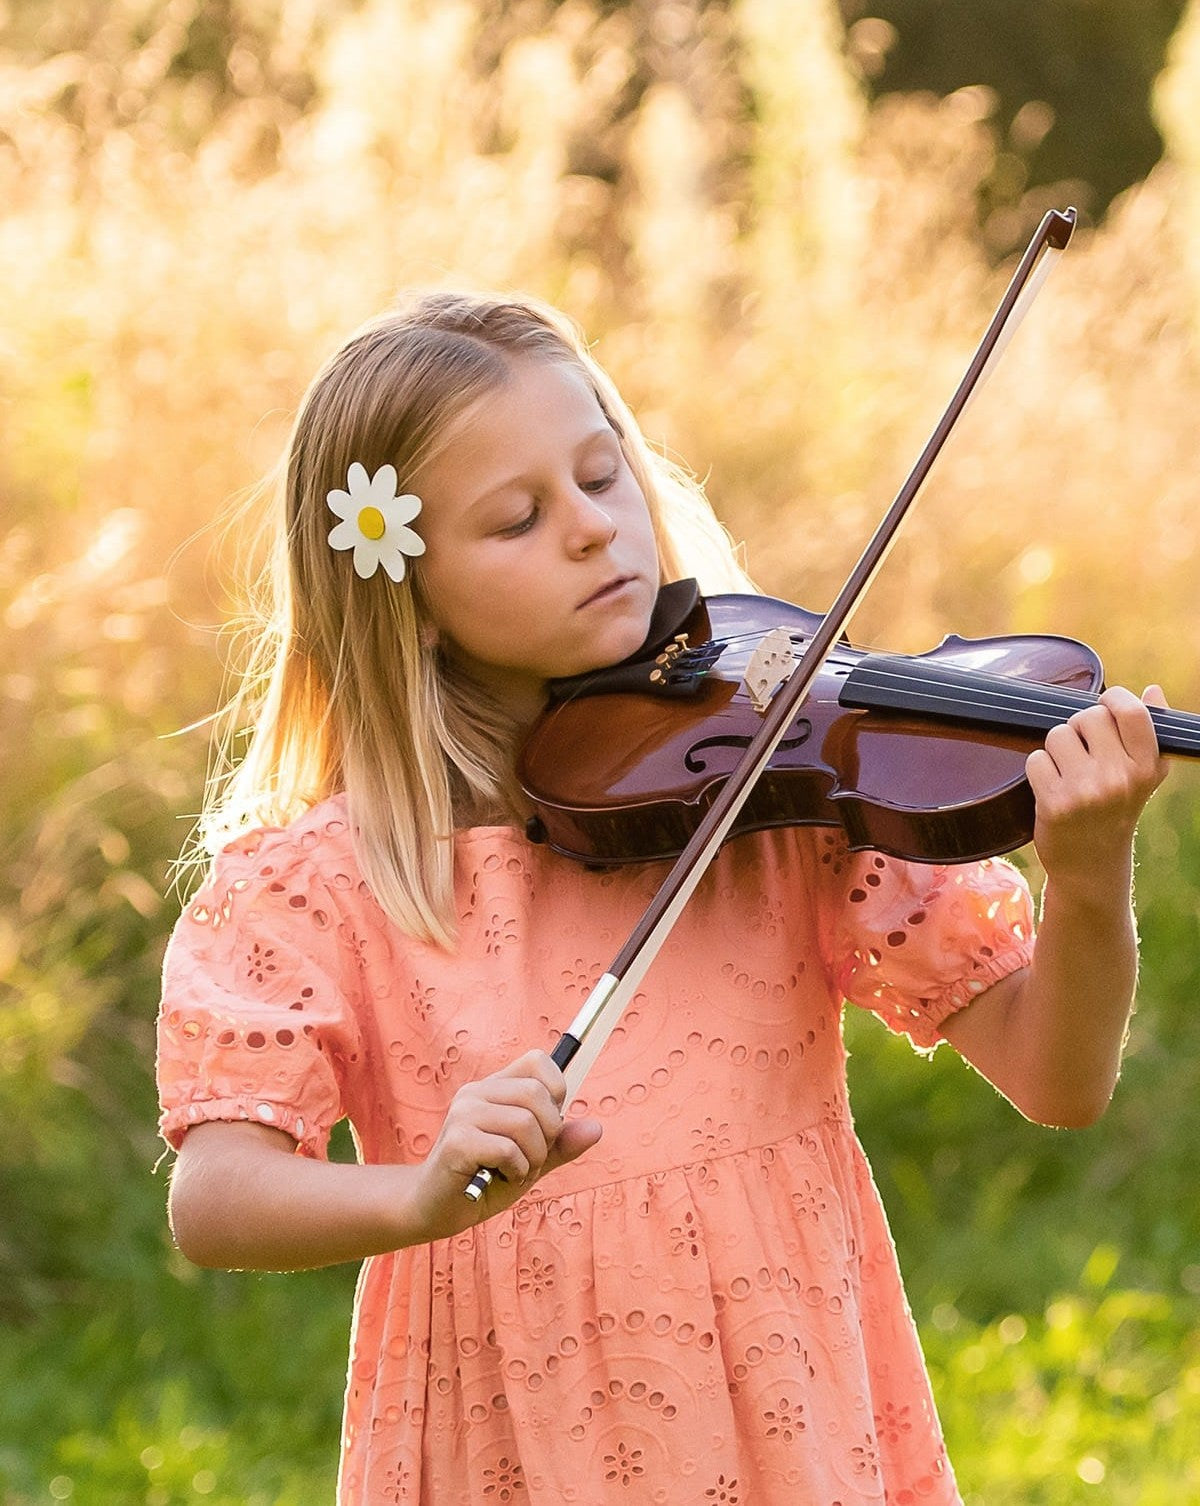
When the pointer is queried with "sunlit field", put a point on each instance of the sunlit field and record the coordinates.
(787, 283)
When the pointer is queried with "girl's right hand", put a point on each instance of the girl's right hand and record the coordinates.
(511, 1122)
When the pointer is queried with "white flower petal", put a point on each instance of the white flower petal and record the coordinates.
(358, 481)
(405, 508)
(395, 515)
(366, 559)
(407, 541)
(383, 485)
(393, 562)
(344, 535)
(339, 503)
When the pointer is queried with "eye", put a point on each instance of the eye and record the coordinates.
(523, 525)
(600, 484)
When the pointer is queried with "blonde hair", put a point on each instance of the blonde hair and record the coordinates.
(342, 691)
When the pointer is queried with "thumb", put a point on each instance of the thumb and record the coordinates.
(576, 1136)
(1153, 696)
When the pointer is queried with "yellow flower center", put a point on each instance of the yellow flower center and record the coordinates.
(371, 523)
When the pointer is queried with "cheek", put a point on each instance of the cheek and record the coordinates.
(454, 584)
(483, 609)
(643, 534)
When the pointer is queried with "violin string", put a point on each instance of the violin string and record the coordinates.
(962, 690)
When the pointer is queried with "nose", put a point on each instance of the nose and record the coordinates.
(590, 526)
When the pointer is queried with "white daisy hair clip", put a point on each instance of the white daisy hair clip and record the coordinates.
(374, 522)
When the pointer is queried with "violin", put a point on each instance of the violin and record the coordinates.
(922, 757)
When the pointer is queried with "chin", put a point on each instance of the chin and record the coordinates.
(617, 638)
(625, 643)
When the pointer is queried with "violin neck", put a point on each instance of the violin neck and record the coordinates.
(885, 682)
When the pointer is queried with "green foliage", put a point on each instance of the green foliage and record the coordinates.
(1096, 1397)
(1061, 57)
(181, 1389)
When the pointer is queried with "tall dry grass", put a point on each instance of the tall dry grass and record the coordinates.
(786, 282)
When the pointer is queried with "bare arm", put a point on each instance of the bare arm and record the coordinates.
(1050, 1037)
(242, 1199)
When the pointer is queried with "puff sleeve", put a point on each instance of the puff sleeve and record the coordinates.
(914, 942)
(257, 1020)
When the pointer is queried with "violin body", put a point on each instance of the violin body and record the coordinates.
(619, 775)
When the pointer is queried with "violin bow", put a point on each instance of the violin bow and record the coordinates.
(580, 1045)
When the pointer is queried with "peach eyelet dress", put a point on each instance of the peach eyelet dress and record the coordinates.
(705, 1308)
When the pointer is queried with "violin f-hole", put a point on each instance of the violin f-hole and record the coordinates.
(694, 764)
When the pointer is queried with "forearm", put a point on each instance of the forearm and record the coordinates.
(241, 1199)
(1050, 1037)
(1069, 1019)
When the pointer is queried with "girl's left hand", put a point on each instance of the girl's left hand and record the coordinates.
(1091, 782)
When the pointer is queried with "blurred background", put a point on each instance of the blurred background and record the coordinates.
(784, 223)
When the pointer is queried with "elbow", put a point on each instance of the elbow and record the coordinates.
(1063, 1095)
(216, 1207)
(192, 1235)
(1068, 1111)
(198, 1255)
(196, 1215)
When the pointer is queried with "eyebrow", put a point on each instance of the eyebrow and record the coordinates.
(602, 431)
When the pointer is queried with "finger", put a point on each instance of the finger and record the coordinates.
(500, 1155)
(1042, 772)
(506, 1140)
(539, 1066)
(525, 1111)
(531, 1096)
(1116, 729)
(1070, 745)
(1131, 718)
(1154, 696)
(541, 1095)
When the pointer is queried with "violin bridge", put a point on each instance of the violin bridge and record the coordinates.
(768, 667)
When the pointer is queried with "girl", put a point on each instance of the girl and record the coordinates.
(684, 1292)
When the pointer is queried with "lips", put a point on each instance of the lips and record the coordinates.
(610, 588)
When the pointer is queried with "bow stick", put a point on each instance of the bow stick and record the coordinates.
(579, 1047)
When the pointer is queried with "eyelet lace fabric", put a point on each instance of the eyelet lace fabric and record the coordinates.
(704, 1308)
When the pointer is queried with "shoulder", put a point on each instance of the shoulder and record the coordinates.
(308, 865)
(322, 832)
(283, 912)
(316, 839)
